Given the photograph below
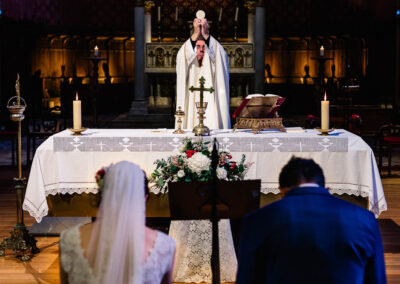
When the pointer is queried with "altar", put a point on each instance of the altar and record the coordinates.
(66, 164)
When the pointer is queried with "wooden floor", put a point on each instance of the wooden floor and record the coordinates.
(44, 267)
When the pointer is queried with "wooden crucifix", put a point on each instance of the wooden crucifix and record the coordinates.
(201, 129)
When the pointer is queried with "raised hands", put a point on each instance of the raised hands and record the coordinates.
(204, 28)
(200, 27)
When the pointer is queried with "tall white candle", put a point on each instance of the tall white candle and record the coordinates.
(324, 114)
(176, 13)
(96, 51)
(77, 113)
(220, 15)
(236, 14)
(322, 51)
(159, 13)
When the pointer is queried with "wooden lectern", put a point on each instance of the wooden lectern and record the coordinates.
(213, 201)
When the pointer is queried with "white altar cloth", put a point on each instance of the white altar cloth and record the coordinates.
(67, 164)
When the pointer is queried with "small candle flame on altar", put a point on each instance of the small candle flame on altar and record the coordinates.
(76, 97)
(96, 51)
(325, 96)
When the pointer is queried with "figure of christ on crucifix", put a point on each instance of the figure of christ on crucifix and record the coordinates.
(202, 56)
(201, 106)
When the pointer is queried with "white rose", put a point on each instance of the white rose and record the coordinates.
(199, 162)
(221, 173)
(182, 148)
(181, 173)
(176, 152)
(210, 149)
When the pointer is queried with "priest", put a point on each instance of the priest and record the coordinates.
(202, 55)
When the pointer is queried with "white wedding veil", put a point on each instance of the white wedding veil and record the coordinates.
(117, 241)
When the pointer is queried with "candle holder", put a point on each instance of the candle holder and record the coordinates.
(95, 84)
(201, 129)
(324, 132)
(159, 31)
(219, 28)
(235, 31)
(77, 132)
(21, 242)
(179, 114)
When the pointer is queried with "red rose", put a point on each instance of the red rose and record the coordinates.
(189, 153)
(229, 157)
(233, 166)
(100, 173)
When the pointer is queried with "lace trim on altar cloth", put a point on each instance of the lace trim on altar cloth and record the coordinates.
(340, 188)
(37, 213)
(70, 190)
(337, 188)
(193, 251)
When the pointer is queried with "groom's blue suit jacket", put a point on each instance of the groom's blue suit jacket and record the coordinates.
(310, 236)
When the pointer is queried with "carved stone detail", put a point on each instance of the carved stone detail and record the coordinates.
(251, 6)
(161, 57)
(147, 6)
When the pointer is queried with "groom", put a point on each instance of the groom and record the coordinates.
(310, 236)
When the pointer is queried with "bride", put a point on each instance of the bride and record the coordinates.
(117, 247)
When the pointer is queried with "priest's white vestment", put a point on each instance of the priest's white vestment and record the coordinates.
(215, 70)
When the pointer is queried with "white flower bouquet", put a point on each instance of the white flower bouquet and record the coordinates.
(192, 162)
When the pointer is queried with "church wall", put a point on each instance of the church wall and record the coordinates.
(287, 60)
(68, 56)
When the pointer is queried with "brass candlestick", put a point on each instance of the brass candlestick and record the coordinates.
(159, 30)
(20, 241)
(235, 31)
(201, 129)
(179, 114)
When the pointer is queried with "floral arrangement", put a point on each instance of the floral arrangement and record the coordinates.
(192, 162)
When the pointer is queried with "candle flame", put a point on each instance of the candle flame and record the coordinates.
(76, 97)
(96, 47)
(325, 96)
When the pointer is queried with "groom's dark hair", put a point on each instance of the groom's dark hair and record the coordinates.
(299, 170)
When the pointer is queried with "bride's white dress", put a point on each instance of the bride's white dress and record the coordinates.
(193, 251)
(79, 271)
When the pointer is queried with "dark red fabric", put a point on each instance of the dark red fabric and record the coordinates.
(240, 108)
(8, 132)
(392, 139)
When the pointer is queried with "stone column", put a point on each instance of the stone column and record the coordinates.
(259, 48)
(396, 102)
(251, 9)
(139, 104)
(147, 19)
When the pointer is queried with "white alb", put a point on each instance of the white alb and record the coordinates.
(215, 71)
